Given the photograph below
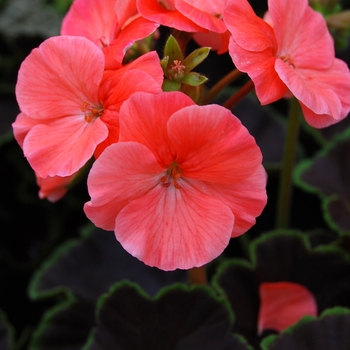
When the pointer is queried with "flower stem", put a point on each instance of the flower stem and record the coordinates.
(198, 275)
(285, 187)
(238, 96)
(220, 85)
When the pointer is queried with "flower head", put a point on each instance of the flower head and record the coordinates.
(70, 105)
(295, 54)
(181, 182)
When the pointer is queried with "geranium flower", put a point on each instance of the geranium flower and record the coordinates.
(294, 55)
(283, 304)
(182, 180)
(69, 105)
(113, 26)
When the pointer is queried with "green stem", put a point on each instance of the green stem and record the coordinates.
(220, 85)
(239, 95)
(198, 275)
(285, 187)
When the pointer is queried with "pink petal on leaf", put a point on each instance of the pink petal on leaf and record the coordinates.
(170, 228)
(282, 304)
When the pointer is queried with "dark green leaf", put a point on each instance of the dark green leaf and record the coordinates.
(328, 175)
(329, 331)
(283, 256)
(178, 318)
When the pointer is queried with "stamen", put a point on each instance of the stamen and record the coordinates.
(173, 173)
(177, 66)
(90, 111)
(287, 59)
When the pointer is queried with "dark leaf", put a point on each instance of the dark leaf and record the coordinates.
(330, 331)
(328, 175)
(178, 318)
(283, 256)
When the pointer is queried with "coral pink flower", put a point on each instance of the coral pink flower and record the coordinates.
(113, 26)
(182, 180)
(296, 55)
(68, 103)
(282, 304)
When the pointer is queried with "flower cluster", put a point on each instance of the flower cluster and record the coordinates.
(175, 180)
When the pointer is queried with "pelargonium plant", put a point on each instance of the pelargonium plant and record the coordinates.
(179, 178)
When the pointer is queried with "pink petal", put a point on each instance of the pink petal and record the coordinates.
(56, 78)
(124, 10)
(217, 42)
(89, 19)
(204, 13)
(260, 68)
(153, 11)
(118, 88)
(170, 228)
(144, 117)
(246, 198)
(212, 145)
(137, 29)
(249, 31)
(54, 188)
(63, 146)
(123, 172)
(22, 125)
(309, 89)
(302, 34)
(282, 304)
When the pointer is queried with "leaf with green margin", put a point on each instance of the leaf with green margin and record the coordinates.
(179, 317)
(87, 267)
(328, 175)
(329, 331)
(65, 326)
(6, 333)
(82, 270)
(282, 255)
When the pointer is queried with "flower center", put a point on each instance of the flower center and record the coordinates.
(172, 174)
(287, 59)
(91, 112)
